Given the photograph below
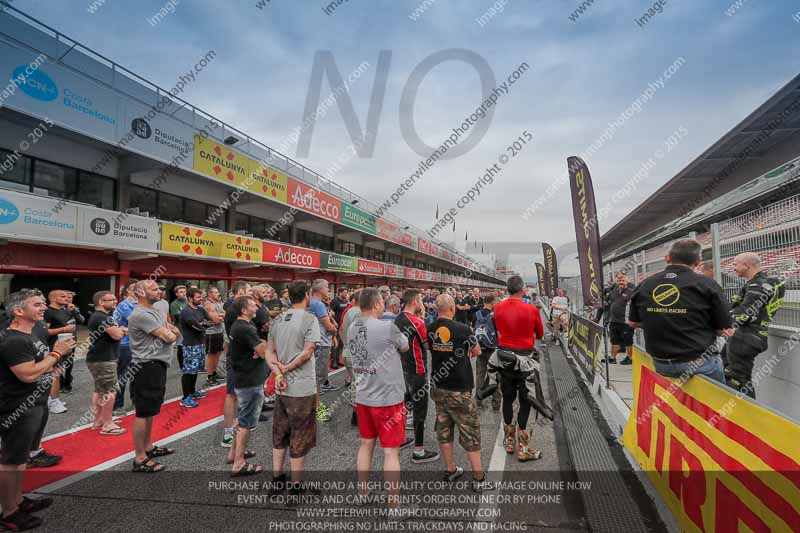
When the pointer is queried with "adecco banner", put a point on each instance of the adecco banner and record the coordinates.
(191, 240)
(719, 461)
(281, 254)
(26, 216)
(313, 201)
(371, 267)
(342, 263)
(585, 342)
(241, 248)
(118, 231)
(358, 219)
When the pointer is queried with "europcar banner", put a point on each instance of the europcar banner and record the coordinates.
(540, 280)
(721, 462)
(550, 269)
(587, 234)
(585, 341)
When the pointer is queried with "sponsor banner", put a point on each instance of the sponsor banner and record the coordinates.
(425, 247)
(388, 231)
(358, 219)
(587, 234)
(118, 231)
(395, 271)
(147, 131)
(585, 342)
(313, 201)
(241, 248)
(719, 460)
(25, 215)
(342, 263)
(50, 91)
(371, 267)
(220, 162)
(428, 276)
(550, 269)
(191, 240)
(408, 240)
(281, 254)
(266, 181)
(540, 279)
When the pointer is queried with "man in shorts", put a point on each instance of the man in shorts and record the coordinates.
(26, 365)
(620, 332)
(348, 317)
(380, 392)
(121, 314)
(452, 344)
(248, 352)
(215, 335)
(193, 321)
(240, 288)
(151, 348)
(559, 312)
(101, 359)
(290, 349)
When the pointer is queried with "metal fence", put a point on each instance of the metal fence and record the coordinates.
(772, 231)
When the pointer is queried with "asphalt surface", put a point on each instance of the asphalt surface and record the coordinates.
(196, 492)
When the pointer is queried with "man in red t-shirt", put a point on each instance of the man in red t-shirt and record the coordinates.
(518, 325)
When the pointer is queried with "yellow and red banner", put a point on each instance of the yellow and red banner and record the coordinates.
(220, 162)
(721, 462)
(191, 240)
(266, 181)
(241, 248)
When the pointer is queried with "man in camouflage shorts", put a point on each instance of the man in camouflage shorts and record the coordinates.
(452, 344)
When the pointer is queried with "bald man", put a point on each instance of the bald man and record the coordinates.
(753, 310)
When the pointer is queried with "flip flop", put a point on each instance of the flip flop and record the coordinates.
(247, 469)
(113, 431)
(248, 454)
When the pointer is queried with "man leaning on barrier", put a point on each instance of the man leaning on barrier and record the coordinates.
(753, 310)
(681, 313)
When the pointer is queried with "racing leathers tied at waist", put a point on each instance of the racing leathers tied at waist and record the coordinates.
(753, 309)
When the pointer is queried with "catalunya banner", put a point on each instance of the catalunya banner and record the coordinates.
(720, 461)
(585, 341)
(587, 233)
(550, 269)
(540, 279)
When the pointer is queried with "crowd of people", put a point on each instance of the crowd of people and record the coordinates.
(400, 350)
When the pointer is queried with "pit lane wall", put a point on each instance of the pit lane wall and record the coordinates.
(721, 462)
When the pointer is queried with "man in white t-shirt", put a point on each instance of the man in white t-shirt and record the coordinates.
(559, 312)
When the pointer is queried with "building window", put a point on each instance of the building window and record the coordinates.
(170, 207)
(314, 240)
(195, 213)
(54, 180)
(349, 248)
(145, 199)
(15, 172)
(96, 190)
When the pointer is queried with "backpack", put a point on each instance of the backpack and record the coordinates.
(485, 331)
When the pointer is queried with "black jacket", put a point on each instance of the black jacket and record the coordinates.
(755, 306)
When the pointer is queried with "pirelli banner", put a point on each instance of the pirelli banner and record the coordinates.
(720, 462)
(585, 341)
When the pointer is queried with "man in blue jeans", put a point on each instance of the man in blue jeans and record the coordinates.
(121, 314)
(682, 313)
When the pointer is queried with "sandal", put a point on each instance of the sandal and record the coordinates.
(247, 469)
(148, 467)
(158, 451)
(116, 430)
(248, 454)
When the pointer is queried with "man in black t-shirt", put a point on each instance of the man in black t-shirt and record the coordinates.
(261, 318)
(194, 321)
(620, 332)
(474, 301)
(25, 375)
(452, 344)
(338, 305)
(461, 309)
(101, 360)
(59, 320)
(248, 356)
(240, 288)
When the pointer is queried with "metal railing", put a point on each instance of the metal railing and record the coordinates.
(119, 79)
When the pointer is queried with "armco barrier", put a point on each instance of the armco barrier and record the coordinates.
(720, 462)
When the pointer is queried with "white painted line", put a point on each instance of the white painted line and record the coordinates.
(61, 483)
(497, 463)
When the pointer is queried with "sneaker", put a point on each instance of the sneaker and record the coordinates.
(408, 442)
(189, 402)
(20, 521)
(611, 360)
(626, 361)
(328, 387)
(483, 485)
(43, 460)
(409, 423)
(269, 400)
(452, 476)
(263, 417)
(65, 390)
(322, 413)
(268, 407)
(56, 406)
(199, 395)
(424, 457)
(227, 440)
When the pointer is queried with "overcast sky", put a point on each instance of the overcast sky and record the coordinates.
(582, 76)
